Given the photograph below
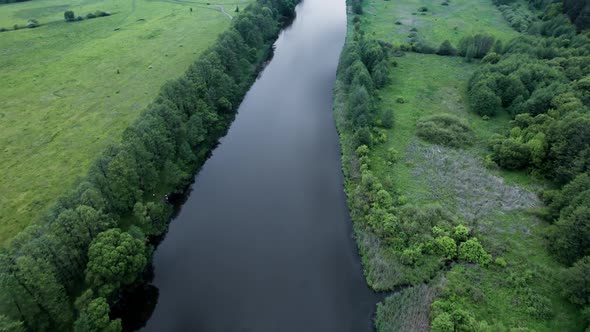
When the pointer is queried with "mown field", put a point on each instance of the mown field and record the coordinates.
(71, 88)
(522, 288)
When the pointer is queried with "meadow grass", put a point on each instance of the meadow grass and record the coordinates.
(71, 88)
(459, 19)
(494, 203)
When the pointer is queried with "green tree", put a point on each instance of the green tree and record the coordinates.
(472, 251)
(484, 101)
(460, 233)
(95, 318)
(446, 48)
(443, 323)
(576, 282)
(446, 247)
(115, 258)
(69, 16)
(152, 217)
(9, 325)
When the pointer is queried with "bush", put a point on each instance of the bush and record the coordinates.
(423, 9)
(484, 101)
(446, 48)
(460, 233)
(471, 251)
(476, 46)
(32, 23)
(444, 129)
(90, 16)
(69, 16)
(510, 153)
(443, 323)
(446, 247)
(3, 29)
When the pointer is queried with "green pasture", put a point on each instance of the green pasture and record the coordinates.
(459, 19)
(71, 88)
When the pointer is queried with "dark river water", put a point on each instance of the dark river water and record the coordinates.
(263, 242)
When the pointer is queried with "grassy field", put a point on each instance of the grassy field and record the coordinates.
(68, 89)
(495, 204)
(460, 18)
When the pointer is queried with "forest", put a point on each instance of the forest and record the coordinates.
(66, 271)
(539, 81)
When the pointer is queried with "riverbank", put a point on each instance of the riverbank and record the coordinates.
(444, 199)
(264, 232)
(59, 274)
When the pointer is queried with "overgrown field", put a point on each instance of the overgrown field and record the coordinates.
(70, 88)
(491, 202)
(394, 21)
(456, 237)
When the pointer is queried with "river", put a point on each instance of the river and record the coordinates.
(263, 242)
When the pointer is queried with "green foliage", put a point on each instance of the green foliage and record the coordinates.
(69, 16)
(472, 251)
(445, 129)
(576, 282)
(32, 23)
(95, 317)
(152, 217)
(43, 269)
(476, 46)
(8, 325)
(446, 247)
(484, 101)
(510, 153)
(443, 323)
(460, 233)
(115, 258)
(446, 48)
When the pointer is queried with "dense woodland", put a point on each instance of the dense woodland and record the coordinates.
(542, 80)
(66, 271)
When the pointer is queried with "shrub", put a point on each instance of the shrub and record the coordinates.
(510, 153)
(90, 15)
(446, 247)
(476, 46)
(444, 129)
(492, 58)
(3, 29)
(423, 47)
(69, 16)
(423, 9)
(484, 101)
(460, 233)
(32, 23)
(472, 251)
(443, 323)
(100, 13)
(446, 48)
(501, 262)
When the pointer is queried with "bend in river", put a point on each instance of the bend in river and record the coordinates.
(263, 242)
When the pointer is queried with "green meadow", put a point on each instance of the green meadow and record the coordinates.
(71, 88)
(395, 20)
(521, 290)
